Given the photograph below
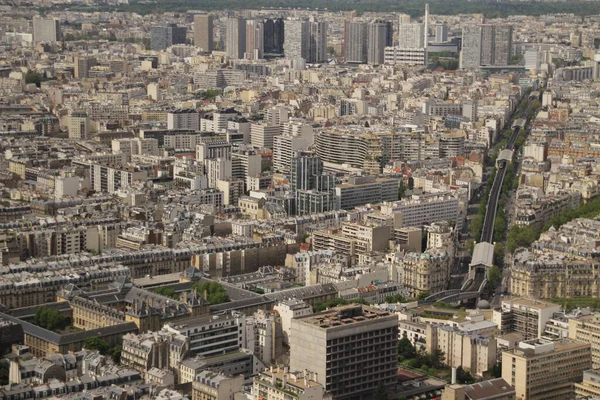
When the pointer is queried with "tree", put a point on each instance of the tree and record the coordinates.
(406, 350)
(437, 358)
(470, 245)
(380, 392)
(494, 276)
(167, 292)
(398, 298)
(499, 254)
(4, 372)
(496, 370)
(214, 292)
(115, 353)
(463, 376)
(423, 295)
(401, 190)
(95, 343)
(51, 319)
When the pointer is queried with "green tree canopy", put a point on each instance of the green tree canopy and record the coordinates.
(215, 293)
(51, 319)
(95, 343)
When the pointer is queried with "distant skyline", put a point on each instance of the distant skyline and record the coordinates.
(490, 9)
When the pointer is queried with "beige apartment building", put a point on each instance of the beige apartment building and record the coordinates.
(587, 329)
(470, 350)
(276, 384)
(543, 370)
(590, 387)
(524, 316)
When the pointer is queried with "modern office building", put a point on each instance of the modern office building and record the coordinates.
(274, 35)
(164, 36)
(255, 37)
(204, 32)
(489, 45)
(543, 370)
(235, 37)
(377, 39)
(350, 349)
(318, 41)
(46, 30)
(355, 42)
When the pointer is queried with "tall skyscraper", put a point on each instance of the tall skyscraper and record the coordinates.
(46, 30)
(355, 41)
(273, 36)
(203, 32)
(377, 39)
(297, 39)
(318, 41)
(164, 36)
(486, 45)
(235, 37)
(255, 38)
(411, 36)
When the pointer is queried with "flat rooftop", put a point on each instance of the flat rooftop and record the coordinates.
(531, 303)
(345, 315)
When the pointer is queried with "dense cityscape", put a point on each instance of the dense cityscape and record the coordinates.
(291, 202)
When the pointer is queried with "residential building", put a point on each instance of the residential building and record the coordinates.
(586, 329)
(361, 190)
(590, 386)
(527, 317)
(314, 190)
(83, 65)
(289, 309)
(543, 370)
(79, 125)
(236, 37)
(377, 38)
(493, 389)
(355, 41)
(46, 30)
(183, 119)
(486, 44)
(211, 385)
(279, 384)
(411, 35)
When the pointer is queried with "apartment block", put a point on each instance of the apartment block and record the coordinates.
(361, 190)
(524, 316)
(543, 370)
(279, 384)
(586, 329)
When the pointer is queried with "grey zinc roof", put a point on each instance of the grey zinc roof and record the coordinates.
(483, 254)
